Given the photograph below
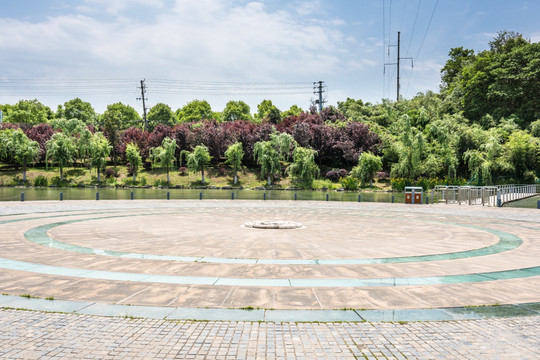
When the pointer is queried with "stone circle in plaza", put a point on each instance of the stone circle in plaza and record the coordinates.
(194, 254)
(273, 224)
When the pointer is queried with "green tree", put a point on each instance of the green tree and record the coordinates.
(70, 127)
(163, 156)
(61, 150)
(112, 123)
(368, 165)
(236, 110)
(294, 110)
(506, 41)
(161, 114)
(267, 111)
(134, 159)
(523, 152)
(198, 160)
(267, 157)
(83, 144)
(535, 128)
(195, 110)
(100, 150)
(303, 167)
(27, 112)
(78, 109)
(459, 58)
(6, 153)
(127, 115)
(23, 150)
(234, 155)
(284, 143)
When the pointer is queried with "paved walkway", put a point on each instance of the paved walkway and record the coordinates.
(36, 335)
(168, 261)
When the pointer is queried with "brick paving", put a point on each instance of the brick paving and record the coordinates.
(39, 335)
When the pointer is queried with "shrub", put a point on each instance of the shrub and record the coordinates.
(41, 180)
(182, 170)
(399, 184)
(381, 175)
(342, 173)
(323, 184)
(332, 175)
(55, 181)
(221, 171)
(349, 183)
(147, 165)
(110, 172)
(160, 182)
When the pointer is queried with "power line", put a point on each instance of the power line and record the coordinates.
(75, 87)
(414, 25)
(423, 39)
(427, 29)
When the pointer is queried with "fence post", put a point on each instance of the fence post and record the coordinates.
(326, 197)
(61, 196)
(359, 198)
(168, 195)
(392, 198)
(538, 204)
(295, 196)
(97, 195)
(132, 195)
(200, 195)
(499, 202)
(22, 196)
(232, 196)
(264, 196)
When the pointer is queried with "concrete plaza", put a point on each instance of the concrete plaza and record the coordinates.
(171, 261)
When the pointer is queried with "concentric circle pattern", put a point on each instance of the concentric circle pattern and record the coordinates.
(196, 254)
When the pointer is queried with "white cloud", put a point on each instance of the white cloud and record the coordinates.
(212, 40)
(195, 39)
(115, 7)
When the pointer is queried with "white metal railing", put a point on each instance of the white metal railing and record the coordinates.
(507, 193)
(482, 195)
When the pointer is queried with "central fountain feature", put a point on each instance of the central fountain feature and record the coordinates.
(273, 224)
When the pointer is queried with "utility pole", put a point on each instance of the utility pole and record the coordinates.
(143, 91)
(399, 58)
(318, 89)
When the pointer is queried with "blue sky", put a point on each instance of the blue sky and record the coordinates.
(222, 50)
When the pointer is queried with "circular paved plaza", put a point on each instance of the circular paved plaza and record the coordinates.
(352, 262)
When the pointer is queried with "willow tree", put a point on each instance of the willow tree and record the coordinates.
(133, 157)
(234, 155)
(284, 143)
(368, 165)
(198, 160)
(163, 156)
(303, 167)
(100, 149)
(61, 150)
(23, 150)
(267, 157)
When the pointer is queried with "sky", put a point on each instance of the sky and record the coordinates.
(221, 50)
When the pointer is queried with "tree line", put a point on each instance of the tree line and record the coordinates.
(483, 127)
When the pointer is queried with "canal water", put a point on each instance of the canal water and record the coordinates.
(48, 193)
